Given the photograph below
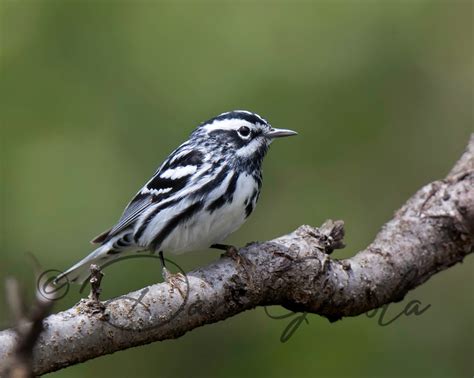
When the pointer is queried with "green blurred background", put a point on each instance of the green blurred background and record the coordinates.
(94, 95)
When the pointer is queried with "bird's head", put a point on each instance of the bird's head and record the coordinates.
(245, 134)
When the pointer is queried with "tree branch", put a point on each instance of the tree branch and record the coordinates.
(431, 232)
(27, 330)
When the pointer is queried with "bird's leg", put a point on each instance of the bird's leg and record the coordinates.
(173, 280)
(164, 272)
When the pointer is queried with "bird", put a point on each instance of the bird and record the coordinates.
(202, 192)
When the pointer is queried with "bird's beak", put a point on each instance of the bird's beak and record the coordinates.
(278, 133)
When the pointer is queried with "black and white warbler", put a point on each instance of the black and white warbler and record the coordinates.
(201, 193)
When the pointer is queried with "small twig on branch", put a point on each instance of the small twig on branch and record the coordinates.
(93, 303)
(431, 232)
(96, 278)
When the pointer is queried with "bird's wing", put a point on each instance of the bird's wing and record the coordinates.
(168, 181)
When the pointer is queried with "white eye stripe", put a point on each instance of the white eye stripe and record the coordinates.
(227, 124)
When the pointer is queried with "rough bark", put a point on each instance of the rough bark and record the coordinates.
(431, 232)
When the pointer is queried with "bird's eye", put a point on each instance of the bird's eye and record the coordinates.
(244, 132)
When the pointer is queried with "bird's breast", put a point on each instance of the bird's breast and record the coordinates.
(223, 212)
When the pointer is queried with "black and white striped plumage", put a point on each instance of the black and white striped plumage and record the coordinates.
(203, 191)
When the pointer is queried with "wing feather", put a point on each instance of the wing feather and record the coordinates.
(168, 181)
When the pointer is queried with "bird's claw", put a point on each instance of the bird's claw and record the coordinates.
(233, 253)
(174, 280)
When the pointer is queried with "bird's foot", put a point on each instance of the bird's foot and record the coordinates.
(175, 280)
(233, 253)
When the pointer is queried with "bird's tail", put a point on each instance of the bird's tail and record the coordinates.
(80, 271)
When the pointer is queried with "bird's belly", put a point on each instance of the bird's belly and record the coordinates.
(203, 231)
(210, 227)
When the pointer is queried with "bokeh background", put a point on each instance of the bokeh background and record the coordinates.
(95, 94)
